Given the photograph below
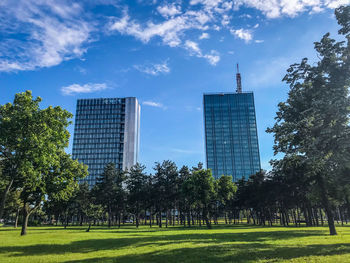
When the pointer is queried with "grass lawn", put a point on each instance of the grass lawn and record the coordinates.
(241, 243)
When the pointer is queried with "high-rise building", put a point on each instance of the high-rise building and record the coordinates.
(107, 130)
(231, 138)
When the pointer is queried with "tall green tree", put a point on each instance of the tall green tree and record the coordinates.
(202, 185)
(32, 142)
(82, 198)
(136, 185)
(107, 189)
(165, 180)
(314, 121)
(226, 190)
(93, 212)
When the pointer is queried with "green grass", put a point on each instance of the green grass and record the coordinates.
(240, 243)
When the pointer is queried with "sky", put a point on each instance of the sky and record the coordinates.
(165, 53)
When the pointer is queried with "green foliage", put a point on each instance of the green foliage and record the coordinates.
(32, 142)
(109, 191)
(200, 185)
(93, 212)
(136, 185)
(314, 121)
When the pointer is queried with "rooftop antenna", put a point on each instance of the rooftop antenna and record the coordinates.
(238, 79)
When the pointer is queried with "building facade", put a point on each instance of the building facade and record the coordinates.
(107, 130)
(231, 138)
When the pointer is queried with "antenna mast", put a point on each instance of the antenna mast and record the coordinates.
(238, 80)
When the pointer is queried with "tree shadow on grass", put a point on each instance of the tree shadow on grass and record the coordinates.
(228, 253)
(211, 240)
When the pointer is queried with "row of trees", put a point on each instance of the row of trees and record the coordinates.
(170, 196)
(189, 197)
(309, 184)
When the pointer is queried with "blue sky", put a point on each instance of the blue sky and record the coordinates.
(165, 53)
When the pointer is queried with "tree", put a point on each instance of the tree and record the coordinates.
(201, 182)
(314, 121)
(136, 185)
(165, 180)
(92, 212)
(226, 190)
(82, 198)
(184, 205)
(107, 189)
(32, 142)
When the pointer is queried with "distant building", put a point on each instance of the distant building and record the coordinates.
(106, 131)
(231, 138)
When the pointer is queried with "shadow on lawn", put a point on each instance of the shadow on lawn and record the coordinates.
(228, 253)
(214, 246)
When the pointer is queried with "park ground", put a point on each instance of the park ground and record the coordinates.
(223, 243)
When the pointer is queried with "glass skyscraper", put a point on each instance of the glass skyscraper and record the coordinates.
(231, 138)
(107, 130)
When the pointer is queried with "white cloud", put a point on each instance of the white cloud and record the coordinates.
(86, 88)
(44, 33)
(241, 33)
(154, 104)
(336, 3)
(245, 16)
(169, 31)
(193, 46)
(153, 69)
(169, 10)
(213, 57)
(204, 36)
(259, 41)
(185, 151)
(51, 32)
(176, 26)
(278, 8)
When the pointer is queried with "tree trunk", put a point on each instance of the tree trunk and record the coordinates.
(150, 218)
(160, 219)
(3, 198)
(109, 216)
(25, 219)
(66, 221)
(327, 207)
(137, 220)
(16, 219)
(207, 222)
(88, 230)
(166, 218)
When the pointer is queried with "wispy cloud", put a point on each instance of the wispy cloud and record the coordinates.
(169, 10)
(44, 33)
(51, 33)
(213, 57)
(244, 34)
(153, 69)
(204, 36)
(186, 151)
(86, 88)
(169, 30)
(154, 104)
(192, 108)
